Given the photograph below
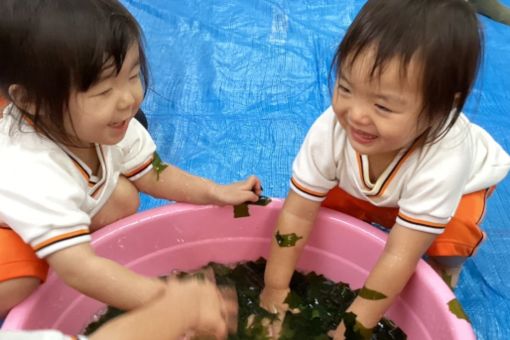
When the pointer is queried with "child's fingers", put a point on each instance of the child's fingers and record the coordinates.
(212, 320)
(276, 326)
(253, 184)
(221, 330)
(209, 274)
(230, 307)
(217, 323)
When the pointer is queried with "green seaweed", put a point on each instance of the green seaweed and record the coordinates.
(262, 201)
(456, 309)
(242, 210)
(370, 294)
(321, 303)
(101, 318)
(287, 240)
(447, 278)
(158, 165)
(354, 330)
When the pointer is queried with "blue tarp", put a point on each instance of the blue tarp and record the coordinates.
(236, 85)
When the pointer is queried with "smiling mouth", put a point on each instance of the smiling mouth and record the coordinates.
(118, 125)
(362, 137)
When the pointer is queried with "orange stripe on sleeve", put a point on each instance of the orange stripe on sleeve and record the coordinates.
(421, 222)
(140, 168)
(61, 238)
(307, 191)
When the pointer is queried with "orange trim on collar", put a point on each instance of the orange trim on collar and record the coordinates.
(393, 172)
(360, 169)
(396, 168)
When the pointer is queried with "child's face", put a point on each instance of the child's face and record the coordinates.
(102, 113)
(379, 114)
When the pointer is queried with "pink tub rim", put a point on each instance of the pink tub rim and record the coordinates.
(463, 329)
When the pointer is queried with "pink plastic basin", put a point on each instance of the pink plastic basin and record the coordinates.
(186, 237)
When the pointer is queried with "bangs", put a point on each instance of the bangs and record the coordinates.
(381, 35)
(51, 48)
(115, 33)
(443, 36)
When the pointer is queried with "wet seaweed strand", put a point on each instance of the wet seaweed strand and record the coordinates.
(322, 305)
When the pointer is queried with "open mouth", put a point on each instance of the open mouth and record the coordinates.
(362, 137)
(118, 125)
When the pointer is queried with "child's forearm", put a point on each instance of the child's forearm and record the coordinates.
(103, 279)
(389, 277)
(175, 184)
(297, 217)
(391, 273)
(157, 321)
(115, 285)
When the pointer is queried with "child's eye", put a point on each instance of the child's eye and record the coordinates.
(103, 93)
(343, 89)
(134, 76)
(382, 108)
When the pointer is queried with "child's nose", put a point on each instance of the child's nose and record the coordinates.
(358, 114)
(127, 99)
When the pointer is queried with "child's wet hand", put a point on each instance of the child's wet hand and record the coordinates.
(239, 192)
(273, 300)
(209, 311)
(338, 333)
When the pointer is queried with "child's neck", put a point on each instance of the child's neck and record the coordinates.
(88, 155)
(379, 163)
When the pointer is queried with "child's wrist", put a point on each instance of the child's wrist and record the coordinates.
(364, 320)
(214, 195)
(276, 288)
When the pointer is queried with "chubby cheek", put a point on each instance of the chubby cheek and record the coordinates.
(398, 134)
(138, 96)
(340, 114)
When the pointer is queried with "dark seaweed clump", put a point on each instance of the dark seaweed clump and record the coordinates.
(322, 304)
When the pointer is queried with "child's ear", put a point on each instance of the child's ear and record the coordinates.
(18, 95)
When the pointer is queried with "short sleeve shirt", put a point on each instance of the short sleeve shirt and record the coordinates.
(425, 182)
(48, 195)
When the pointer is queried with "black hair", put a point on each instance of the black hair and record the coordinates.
(52, 47)
(444, 36)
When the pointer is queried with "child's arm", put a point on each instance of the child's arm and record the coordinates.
(185, 305)
(297, 216)
(103, 279)
(391, 273)
(175, 184)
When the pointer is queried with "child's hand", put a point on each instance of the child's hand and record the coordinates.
(183, 307)
(206, 310)
(239, 192)
(272, 300)
(338, 333)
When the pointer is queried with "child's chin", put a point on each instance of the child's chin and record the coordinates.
(363, 148)
(112, 140)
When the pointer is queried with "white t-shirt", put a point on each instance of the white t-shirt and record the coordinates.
(47, 195)
(37, 335)
(426, 183)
